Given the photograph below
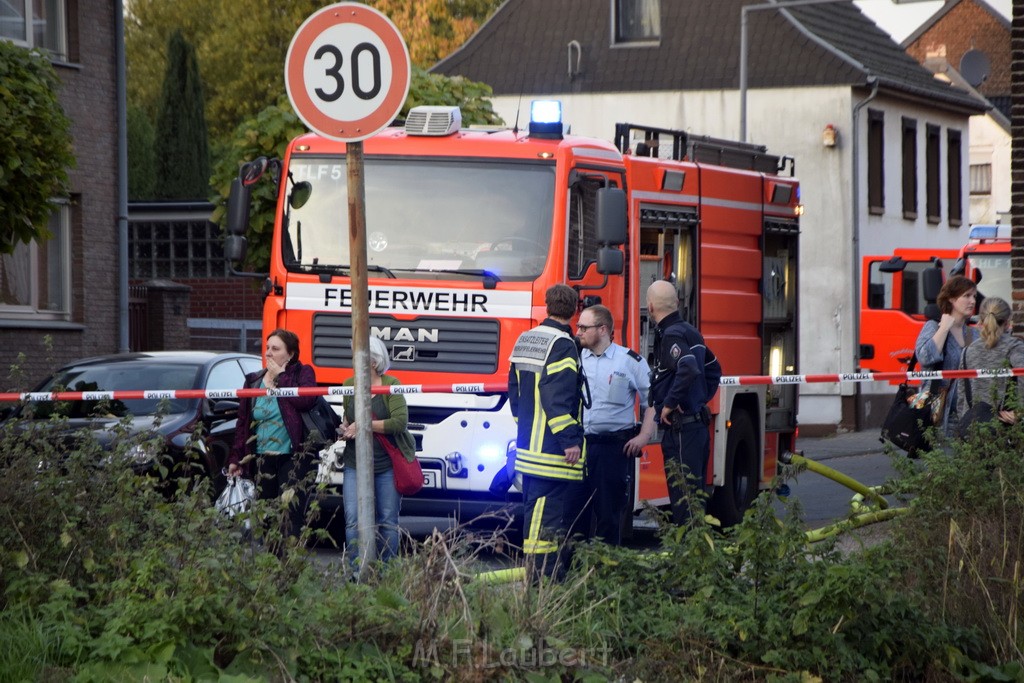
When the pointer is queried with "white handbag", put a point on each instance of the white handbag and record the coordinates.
(236, 497)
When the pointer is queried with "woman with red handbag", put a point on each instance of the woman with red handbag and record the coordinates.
(392, 445)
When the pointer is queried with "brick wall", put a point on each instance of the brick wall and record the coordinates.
(969, 26)
(1017, 186)
(235, 297)
(88, 95)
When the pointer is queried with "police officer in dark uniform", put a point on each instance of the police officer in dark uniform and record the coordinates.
(684, 377)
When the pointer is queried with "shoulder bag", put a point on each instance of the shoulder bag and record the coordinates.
(978, 413)
(408, 474)
(909, 416)
(320, 423)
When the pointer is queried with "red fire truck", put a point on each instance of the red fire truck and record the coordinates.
(898, 291)
(466, 229)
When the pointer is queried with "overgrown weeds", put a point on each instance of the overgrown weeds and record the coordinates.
(105, 577)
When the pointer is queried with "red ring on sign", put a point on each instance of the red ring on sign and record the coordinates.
(307, 110)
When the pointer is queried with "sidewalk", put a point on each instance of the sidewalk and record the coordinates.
(841, 445)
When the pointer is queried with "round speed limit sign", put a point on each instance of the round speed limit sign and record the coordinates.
(347, 72)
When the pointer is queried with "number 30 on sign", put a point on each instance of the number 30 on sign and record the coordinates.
(347, 72)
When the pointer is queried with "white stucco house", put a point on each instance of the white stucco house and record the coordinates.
(893, 174)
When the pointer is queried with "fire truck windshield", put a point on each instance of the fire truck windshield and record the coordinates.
(427, 218)
(995, 274)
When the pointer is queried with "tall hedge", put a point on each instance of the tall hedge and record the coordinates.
(182, 145)
(35, 139)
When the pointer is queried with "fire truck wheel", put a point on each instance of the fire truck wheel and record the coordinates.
(731, 500)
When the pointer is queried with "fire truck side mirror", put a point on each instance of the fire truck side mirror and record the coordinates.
(235, 247)
(931, 284)
(610, 261)
(610, 212)
(239, 200)
(896, 264)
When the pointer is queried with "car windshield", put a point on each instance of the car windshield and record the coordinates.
(122, 376)
(428, 215)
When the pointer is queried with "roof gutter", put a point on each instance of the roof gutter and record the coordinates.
(122, 181)
(855, 288)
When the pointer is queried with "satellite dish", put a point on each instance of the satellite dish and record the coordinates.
(975, 67)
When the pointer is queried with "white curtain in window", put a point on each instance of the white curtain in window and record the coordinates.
(16, 277)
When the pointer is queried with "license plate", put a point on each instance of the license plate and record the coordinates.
(431, 479)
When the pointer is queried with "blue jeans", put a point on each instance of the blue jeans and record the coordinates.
(386, 503)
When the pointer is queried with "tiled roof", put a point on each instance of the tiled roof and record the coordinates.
(524, 47)
(942, 11)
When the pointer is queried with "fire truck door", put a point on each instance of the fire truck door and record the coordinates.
(667, 252)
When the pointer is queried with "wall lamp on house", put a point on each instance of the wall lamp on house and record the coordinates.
(830, 136)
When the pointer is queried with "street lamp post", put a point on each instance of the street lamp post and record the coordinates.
(744, 12)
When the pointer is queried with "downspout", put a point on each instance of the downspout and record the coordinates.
(855, 309)
(122, 180)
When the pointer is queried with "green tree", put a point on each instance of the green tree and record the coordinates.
(182, 148)
(141, 156)
(241, 47)
(35, 136)
(434, 28)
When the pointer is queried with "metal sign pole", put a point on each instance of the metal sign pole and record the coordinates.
(361, 354)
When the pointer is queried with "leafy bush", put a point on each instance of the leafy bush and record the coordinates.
(964, 542)
(36, 139)
(104, 577)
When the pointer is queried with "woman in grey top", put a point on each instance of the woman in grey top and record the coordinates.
(941, 342)
(992, 352)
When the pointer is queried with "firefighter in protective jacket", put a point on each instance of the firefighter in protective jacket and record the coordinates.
(545, 391)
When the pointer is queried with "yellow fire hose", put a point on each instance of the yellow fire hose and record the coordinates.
(838, 477)
(863, 493)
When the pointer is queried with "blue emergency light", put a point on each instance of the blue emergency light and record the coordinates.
(989, 232)
(546, 119)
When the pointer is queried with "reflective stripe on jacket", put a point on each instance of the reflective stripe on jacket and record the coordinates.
(546, 401)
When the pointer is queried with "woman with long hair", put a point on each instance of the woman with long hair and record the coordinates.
(941, 342)
(996, 349)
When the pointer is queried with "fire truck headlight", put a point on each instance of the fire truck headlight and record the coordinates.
(490, 452)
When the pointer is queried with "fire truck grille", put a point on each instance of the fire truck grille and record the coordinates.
(455, 345)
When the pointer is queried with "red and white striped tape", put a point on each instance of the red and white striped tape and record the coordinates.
(484, 387)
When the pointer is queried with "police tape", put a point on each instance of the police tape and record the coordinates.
(482, 387)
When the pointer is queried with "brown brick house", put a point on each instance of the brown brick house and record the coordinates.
(61, 298)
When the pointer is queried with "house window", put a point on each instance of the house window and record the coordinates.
(909, 168)
(931, 160)
(35, 280)
(981, 178)
(876, 162)
(636, 21)
(35, 23)
(175, 249)
(954, 178)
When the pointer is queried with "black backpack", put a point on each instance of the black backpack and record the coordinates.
(320, 423)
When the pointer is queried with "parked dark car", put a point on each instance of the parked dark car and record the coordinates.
(173, 423)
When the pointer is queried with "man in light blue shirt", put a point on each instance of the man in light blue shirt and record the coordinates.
(619, 380)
